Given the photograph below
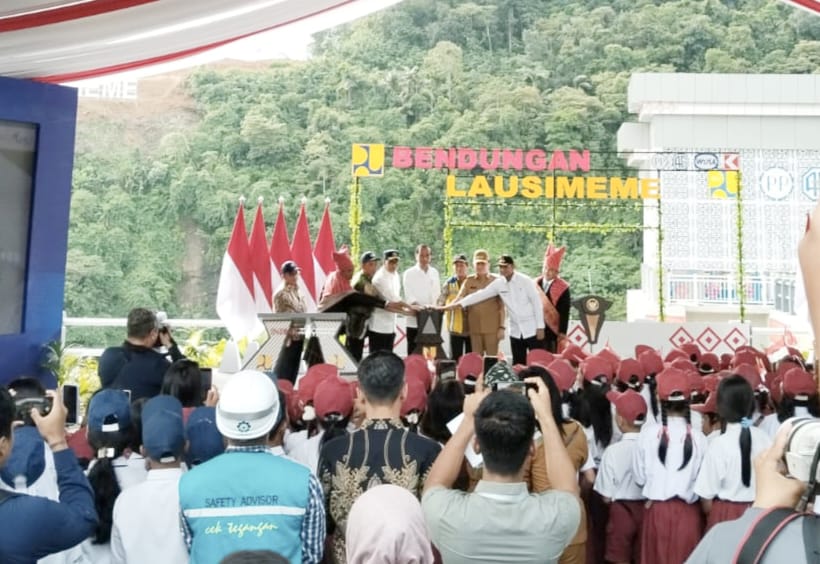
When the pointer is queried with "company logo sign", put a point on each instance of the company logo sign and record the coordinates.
(706, 161)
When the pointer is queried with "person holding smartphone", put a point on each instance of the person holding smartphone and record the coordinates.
(34, 527)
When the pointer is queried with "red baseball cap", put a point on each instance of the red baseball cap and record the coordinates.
(776, 389)
(629, 368)
(573, 354)
(696, 383)
(285, 386)
(709, 363)
(416, 399)
(640, 349)
(540, 357)
(333, 396)
(651, 362)
(675, 354)
(682, 364)
(306, 385)
(725, 361)
(691, 350)
(709, 407)
(744, 357)
(710, 382)
(798, 382)
(563, 373)
(470, 364)
(673, 384)
(416, 366)
(750, 374)
(594, 368)
(630, 405)
(611, 357)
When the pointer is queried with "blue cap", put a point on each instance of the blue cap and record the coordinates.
(204, 439)
(109, 411)
(27, 460)
(163, 433)
(391, 254)
(289, 267)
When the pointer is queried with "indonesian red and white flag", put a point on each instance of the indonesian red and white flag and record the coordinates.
(235, 303)
(260, 259)
(323, 249)
(279, 246)
(302, 253)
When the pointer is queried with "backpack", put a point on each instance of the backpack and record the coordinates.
(766, 528)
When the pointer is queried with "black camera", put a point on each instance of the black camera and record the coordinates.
(25, 405)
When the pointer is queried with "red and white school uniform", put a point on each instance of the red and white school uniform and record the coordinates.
(719, 478)
(673, 521)
(616, 482)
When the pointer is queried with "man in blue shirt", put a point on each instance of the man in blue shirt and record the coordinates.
(248, 498)
(34, 527)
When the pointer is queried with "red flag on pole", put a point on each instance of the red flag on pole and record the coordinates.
(235, 296)
(323, 250)
(279, 246)
(261, 261)
(302, 253)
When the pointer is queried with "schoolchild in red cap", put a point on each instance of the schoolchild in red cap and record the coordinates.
(667, 459)
(616, 483)
(725, 481)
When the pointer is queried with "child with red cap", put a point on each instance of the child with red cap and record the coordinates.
(667, 459)
(616, 483)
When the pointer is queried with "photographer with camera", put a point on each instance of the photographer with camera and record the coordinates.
(34, 527)
(137, 365)
(530, 527)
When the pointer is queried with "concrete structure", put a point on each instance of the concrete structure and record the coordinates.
(690, 130)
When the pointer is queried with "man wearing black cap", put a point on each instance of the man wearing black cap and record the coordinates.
(520, 296)
(359, 316)
(455, 320)
(382, 332)
(289, 299)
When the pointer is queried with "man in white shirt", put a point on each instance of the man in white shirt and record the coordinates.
(146, 515)
(524, 309)
(382, 331)
(422, 288)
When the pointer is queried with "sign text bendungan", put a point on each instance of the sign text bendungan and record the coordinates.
(545, 183)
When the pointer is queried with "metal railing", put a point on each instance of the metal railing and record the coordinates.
(695, 288)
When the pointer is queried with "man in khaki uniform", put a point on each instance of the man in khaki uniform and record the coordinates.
(485, 320)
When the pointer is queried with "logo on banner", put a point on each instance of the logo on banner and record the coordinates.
(811, 183)
(368, 160)
(776, 183)
(722, 184)
(706, 161)
(730, 161)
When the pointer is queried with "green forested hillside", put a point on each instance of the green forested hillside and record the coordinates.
(150, 220)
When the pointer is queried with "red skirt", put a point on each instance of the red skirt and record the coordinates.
(725, 511)
(623, 531)
(671, 531)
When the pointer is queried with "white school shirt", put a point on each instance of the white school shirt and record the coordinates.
(615, 479)
(595, 449)
(306, 453)
(646, 394)
(712, 436)
(389, 285)
(661, 481)
(520, 296)
(720, 472)
(771, 423)
(422, 288)
(146, 521)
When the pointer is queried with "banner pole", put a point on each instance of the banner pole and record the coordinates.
(355, 216)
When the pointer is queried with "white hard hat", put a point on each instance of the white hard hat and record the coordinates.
(804, 438)
(248, 406)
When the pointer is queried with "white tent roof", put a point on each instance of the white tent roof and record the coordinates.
(67, 40)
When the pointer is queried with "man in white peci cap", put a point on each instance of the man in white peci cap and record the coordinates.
(247, 498)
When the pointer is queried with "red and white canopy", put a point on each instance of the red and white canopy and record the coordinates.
(810, 5)
(68, 40)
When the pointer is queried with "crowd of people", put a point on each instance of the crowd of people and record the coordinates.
(556, 455)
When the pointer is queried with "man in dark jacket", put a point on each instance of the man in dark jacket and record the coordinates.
(136, 365)
(34, 527)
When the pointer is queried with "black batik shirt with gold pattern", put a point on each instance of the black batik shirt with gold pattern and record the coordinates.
(380, 452)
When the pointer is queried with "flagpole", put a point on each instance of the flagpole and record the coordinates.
(354, 215)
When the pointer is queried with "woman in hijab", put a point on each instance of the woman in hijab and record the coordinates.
(386, 526)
